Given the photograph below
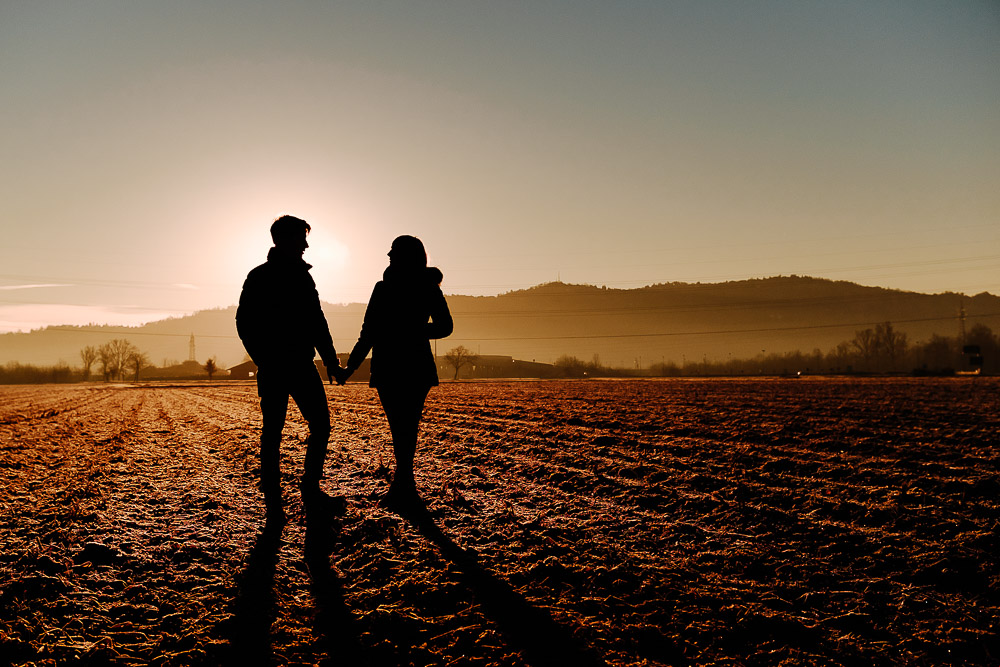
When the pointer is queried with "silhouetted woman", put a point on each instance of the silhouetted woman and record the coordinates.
(406, 310)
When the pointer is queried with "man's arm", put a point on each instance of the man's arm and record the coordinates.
(321, 338)
(248, 321)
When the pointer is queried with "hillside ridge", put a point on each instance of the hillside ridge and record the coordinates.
(624, 327)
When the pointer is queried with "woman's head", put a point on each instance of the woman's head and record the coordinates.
(408, 252)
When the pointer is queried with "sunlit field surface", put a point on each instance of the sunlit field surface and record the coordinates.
(813, 521)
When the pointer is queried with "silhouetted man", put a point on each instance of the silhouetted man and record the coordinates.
(282, 326)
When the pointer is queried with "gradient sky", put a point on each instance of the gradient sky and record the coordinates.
(146, 146)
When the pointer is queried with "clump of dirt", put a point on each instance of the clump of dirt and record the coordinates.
(798, 521)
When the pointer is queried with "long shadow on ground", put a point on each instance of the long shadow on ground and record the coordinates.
(335, 625)
(542, 641)
(249, 630)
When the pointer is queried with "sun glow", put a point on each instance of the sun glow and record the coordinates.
(326, 249)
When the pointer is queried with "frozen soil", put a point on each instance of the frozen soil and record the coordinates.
(713, 522)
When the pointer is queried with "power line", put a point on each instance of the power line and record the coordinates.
(122, 331)
(804, 327)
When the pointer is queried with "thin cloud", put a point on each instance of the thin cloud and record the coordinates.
(29, 317)
(33, 286)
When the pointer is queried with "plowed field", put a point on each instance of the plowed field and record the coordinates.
(714, 522)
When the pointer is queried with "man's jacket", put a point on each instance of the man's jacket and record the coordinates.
(280, 320)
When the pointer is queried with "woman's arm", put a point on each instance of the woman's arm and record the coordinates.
(441, 324)
(369, 329)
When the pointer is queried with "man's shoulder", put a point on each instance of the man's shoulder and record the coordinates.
(276, 271)
(258, 271)
(280, 276)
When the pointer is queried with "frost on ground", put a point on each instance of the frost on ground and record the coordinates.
(749, 522)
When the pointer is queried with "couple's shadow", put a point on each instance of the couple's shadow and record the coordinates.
(249, 627)
(526, 628)
(335, 625)
(255, 606)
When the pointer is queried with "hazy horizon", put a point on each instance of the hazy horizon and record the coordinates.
(140, 321)
(148, 147)
(714, 322)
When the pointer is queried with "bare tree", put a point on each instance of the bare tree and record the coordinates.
(571, 366)
(866, 344)
(137, 361)
(121, 350)
(114, 358)
(106, 359)
(840, 356)
(88, 356)
(210, 367)
(458, 357)
(890, 342)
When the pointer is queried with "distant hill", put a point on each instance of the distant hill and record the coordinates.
(668, 322)
(166, 342)
(674, 321)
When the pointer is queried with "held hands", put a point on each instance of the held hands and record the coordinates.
(338, 373)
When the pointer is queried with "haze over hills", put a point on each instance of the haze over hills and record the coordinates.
(674, 322)
(678, 321)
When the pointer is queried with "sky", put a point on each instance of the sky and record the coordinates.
(147, 146)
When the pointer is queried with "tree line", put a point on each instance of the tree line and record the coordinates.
(879, 349)
(882, 349)
(117, 359)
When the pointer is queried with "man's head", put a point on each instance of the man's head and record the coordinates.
(289, 233)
